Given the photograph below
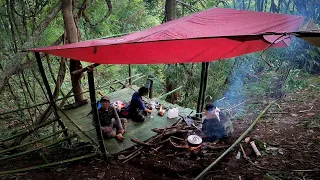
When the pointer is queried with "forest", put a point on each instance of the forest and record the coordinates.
(241, 86)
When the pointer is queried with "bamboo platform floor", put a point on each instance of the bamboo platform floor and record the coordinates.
(79, 120)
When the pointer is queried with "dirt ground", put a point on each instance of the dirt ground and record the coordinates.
(288, 138)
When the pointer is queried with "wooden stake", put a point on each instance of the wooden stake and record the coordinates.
(235, 143)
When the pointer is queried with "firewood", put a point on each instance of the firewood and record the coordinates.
(177, 146)
(134, 155)
(176, 131)
(140, 142)
(254, 147)
(243, 152)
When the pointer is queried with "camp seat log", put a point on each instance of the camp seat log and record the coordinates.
(79, 120)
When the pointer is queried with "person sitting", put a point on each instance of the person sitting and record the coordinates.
(137, 108)
(111, 124)
(215, 125)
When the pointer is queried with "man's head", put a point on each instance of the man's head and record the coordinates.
(209, 108)
(105, 102)
(143, 91)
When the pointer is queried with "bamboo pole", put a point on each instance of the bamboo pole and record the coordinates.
(36, 149)
(235, 143)
(47, 85)
(48, 165)
(29, 129)
(168, 93)
(32, 142)
(95, 117)
(140, 77)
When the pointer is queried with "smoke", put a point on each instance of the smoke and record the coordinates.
(235, 95)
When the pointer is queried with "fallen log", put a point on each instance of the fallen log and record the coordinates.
(235, 143)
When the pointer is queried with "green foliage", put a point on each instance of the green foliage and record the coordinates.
(297, 80)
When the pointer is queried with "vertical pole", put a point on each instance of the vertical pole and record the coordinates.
(205, 81)
(47, 86)
(151, 89)
(130, 79)
(200, 90)
(95, 118)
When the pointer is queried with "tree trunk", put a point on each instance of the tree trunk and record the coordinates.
(170, 14)
(170, 10)
(72, 37)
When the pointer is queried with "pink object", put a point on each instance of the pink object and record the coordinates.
(201, 37)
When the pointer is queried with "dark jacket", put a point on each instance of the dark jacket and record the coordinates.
(213, 128)
(136, 103)
(106, 116)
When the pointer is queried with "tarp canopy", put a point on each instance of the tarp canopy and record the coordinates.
(309, 32)
(201, 37)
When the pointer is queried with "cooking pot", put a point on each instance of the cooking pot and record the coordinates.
(194, 140)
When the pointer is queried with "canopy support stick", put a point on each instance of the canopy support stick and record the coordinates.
(201, 89)
(130, 79)
(47, 86)
(205, 81)
(95, 117)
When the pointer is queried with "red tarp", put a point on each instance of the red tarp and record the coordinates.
(201, 37)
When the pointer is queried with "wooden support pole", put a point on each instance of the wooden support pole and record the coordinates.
(205, 82)
(32, 142)
(47, 86)
(199, 110)
(48, 165)
(149, 85)
(234, 144)
(36, 149)
(95, 116)
(130, 79)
